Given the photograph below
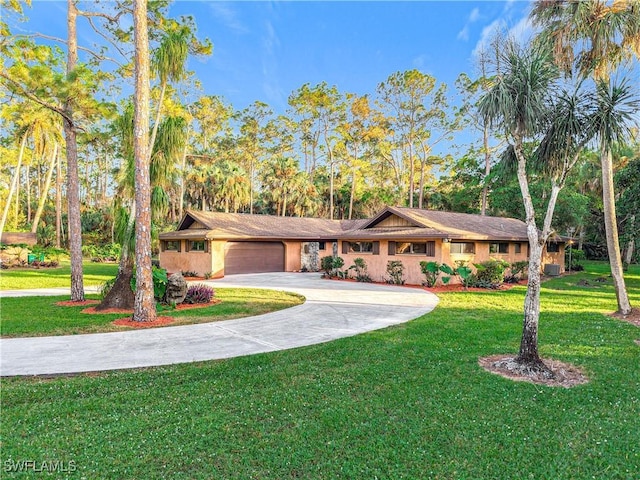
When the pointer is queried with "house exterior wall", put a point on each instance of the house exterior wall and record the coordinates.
(292, 256)
(199, 262)
(377, 264)
(554, 257)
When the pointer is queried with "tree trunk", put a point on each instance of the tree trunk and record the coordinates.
(183, 167)
(528, 355)
(632, 241)
(331, 206)
(144, 308)
(45, 190)
(353, 192)
(73, 196)
(14, 184)
(611, 229)
(120, 295)
(59, 202)
(487, 169)
(28, 189)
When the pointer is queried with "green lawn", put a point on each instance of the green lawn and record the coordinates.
(404, 402)
(38, 316)
(22, 278)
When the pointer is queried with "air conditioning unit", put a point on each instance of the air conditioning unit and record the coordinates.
(552, 269)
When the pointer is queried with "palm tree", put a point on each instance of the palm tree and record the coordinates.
(595, 36)
(618, 104)
(522, 104)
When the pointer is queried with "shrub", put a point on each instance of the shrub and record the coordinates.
(490, 272)
(331, 266)
(189, 273)
(431, 270)
(199, 293)
(360, 270)
(573, 259)
(99, 254)
(395, 270)
(517, 271)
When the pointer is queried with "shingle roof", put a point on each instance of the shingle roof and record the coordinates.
(243, 226)
(467, 225)
(427, 224)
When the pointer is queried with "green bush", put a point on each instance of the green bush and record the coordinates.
(331, 265)
(430, 270)
(517, 271)
(573, 259)
(360, 270)
(395, 270)
(490, 272)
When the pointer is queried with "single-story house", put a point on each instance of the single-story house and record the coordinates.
(215, 243)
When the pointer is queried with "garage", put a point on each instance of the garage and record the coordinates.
(253, 257)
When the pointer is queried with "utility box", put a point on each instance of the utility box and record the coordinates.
(552, 269)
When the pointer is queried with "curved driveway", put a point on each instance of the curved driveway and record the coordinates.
(332, 310)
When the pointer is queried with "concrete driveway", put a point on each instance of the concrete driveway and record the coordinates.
(332, 310)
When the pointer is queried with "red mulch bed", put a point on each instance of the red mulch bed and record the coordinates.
(128, 322)
(70, 303)
(182, 306)
(441, 288)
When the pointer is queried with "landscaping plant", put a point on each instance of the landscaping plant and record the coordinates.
(395, 270)
(199, 293)
(431, 271)
(331, 266)
(359, 268)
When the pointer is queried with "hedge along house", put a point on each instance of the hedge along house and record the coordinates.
(223, 243)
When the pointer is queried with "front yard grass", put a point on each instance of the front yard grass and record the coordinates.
(27, 277)
(404, 402)
(37, 316)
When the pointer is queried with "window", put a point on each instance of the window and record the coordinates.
(172, 245)
(553, 247)
(197, 246)
(463, 247)
(427, 248)
(518, 248)
(360, 247)
(499, 248)
(322, 245)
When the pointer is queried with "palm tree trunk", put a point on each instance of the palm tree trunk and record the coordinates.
(528, 355)
(14, 184)
(45, 190)
(611, 229)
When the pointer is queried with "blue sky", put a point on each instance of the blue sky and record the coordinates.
(266, 50)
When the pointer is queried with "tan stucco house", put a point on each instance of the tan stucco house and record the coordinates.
(217, 243)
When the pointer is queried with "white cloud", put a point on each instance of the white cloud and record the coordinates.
(522, 32)
(474, 16)
(419, 61)
(227, 15)
(271, 81)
